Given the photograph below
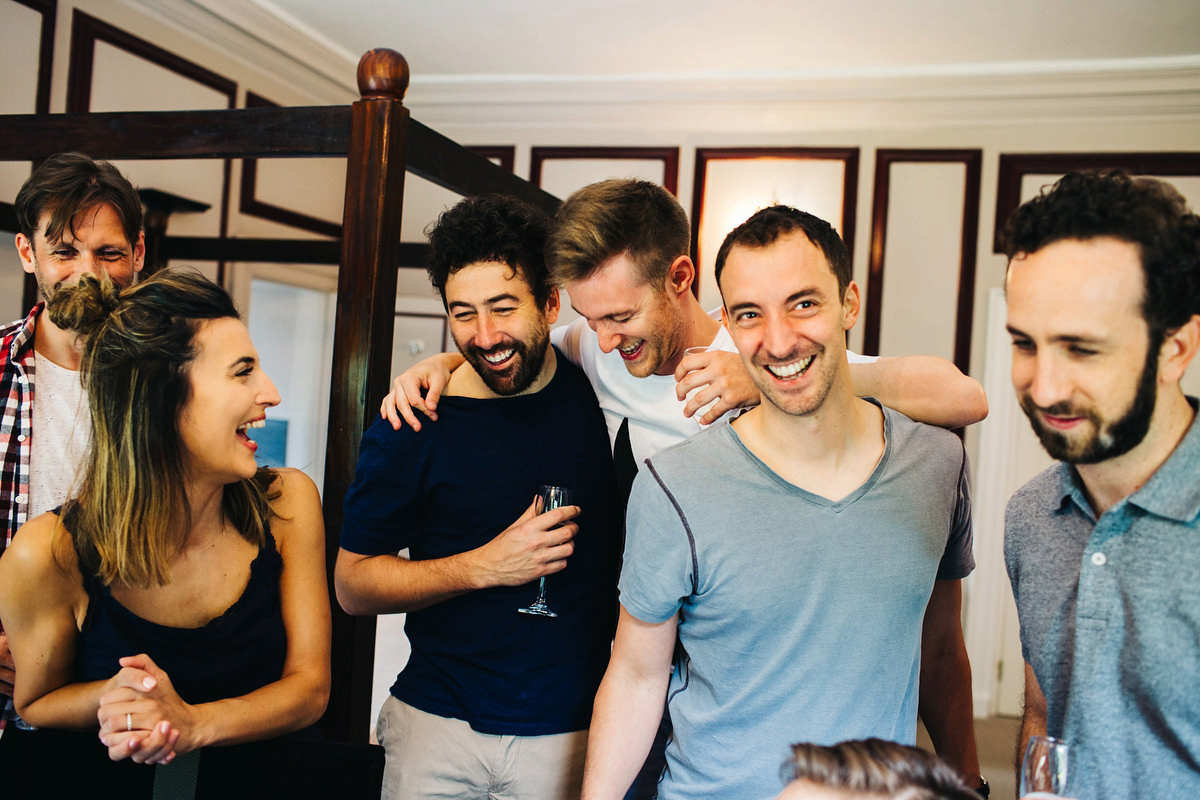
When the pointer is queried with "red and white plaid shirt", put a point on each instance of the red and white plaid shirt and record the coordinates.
(16, 419)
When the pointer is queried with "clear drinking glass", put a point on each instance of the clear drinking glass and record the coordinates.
(552, 497)
(1045, 767)
(703, 409)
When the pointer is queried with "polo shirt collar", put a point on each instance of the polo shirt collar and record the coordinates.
(1173, 491)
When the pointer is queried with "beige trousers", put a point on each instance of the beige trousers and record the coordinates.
(431, 757)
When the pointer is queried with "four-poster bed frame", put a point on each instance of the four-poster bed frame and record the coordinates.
(381, 143)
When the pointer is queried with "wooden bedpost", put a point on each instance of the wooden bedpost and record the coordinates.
(362, 347)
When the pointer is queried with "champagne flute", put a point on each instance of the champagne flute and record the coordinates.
(1044, 768)
(552, 497)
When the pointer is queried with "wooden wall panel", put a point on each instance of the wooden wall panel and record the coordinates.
(1012, 188)
(282, 190)
(113, 70)
(25, 64)
(562, 170)
(731, 183)
(924, 225)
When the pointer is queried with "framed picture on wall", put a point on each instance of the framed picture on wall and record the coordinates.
(731, 183)
(562, 170)
(1021, 175)
(924, 232)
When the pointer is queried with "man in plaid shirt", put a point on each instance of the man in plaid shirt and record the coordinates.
(74, 216)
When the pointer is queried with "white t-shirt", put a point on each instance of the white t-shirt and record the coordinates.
(62, 431)
(655, 415)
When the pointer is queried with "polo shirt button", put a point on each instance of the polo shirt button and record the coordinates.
(1099, 559)
(21, 499)
(20, 437)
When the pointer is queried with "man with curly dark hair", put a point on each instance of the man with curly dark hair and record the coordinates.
(1104, 311)
(490, 697)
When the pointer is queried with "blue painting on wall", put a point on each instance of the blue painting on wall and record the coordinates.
(272, 443)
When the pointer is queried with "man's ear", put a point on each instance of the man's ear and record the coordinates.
(1177, 351)
(25, 251)
(681, 275)
(139, 252)
(553, 306)
(851, 305)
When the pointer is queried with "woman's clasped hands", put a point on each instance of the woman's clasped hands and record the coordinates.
(141, 716)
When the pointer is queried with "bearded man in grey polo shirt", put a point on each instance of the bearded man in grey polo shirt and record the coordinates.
(1103, 549)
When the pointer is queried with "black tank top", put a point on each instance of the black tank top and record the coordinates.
(241, 650)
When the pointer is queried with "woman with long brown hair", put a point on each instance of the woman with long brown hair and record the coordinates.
(178, 599)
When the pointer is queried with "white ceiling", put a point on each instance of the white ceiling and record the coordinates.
(754, 65)
(686, 37)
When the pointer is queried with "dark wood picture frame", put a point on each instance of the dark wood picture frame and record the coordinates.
(847, 155)
(49, 11)
(505, 155)
(447, 342)
(41, 105)
(86, 31)
(249, 204)
(964, 317)
(668, 155)
(1015, 166)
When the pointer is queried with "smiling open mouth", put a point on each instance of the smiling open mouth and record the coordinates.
(243, 432)
(792, 370)
(498, 356)
(630, 352)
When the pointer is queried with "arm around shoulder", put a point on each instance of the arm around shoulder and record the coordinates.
(405, 399)
(925, 388)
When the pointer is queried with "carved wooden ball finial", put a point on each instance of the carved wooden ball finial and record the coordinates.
(382, 73)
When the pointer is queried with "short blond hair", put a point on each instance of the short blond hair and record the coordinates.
(609, 218)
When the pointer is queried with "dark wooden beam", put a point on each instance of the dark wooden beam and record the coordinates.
(362, 343)
(446, 163)
(222, 133)
(275, 251)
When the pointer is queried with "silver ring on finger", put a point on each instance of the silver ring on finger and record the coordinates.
(128, 721)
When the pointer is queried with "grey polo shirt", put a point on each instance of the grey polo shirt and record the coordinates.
(1110, 622)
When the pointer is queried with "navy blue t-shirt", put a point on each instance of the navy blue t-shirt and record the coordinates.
(455, 485)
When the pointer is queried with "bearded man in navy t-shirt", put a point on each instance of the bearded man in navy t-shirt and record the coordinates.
(490, 698)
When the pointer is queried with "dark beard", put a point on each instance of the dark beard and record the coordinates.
(527, 365)
(1116, 439)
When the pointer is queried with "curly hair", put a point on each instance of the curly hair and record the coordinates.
(605, 219)
(877, 767)
(768, 224)
(126, 517)
(1144, 211)
(490, 228)
(69, 183)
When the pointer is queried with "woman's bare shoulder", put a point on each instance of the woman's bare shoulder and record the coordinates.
(296, 505)
(41, 558)
(292, 489)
